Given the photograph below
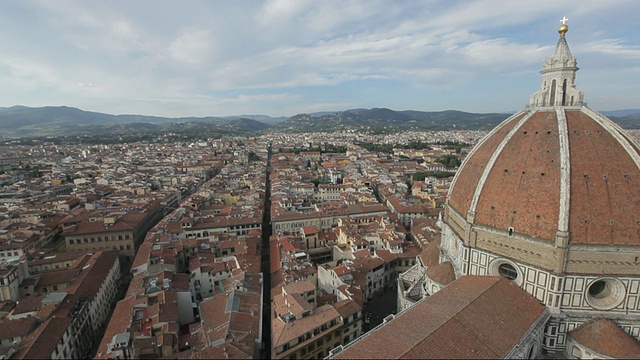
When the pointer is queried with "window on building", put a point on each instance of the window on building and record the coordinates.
(599, 289)
(508, 271)
(55, 287)
(551, 342)
(128, 247)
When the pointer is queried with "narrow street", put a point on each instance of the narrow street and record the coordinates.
(265, 265)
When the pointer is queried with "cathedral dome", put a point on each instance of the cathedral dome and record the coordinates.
(553, 183)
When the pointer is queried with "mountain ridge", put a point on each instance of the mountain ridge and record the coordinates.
(23, 122)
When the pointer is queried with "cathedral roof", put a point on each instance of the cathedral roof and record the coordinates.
(606, 338)
(555, 168)
(545, 171)
(430, 255)
(442, 273)
(476, 317)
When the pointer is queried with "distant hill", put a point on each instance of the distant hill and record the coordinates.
(620, 113)
(27, 122)
(382, 120)
(261, 118)
(22, 121)
(385, 120)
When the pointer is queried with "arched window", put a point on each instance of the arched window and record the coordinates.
(564, 92)
(552, 96)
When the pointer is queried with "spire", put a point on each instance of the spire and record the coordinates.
(558, 76)
(561, 57)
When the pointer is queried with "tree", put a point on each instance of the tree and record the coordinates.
(450, 161)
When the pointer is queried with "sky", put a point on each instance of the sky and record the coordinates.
(281, 58)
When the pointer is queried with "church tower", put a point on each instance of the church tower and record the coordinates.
(548, 206)
(558, 77)
(550, 199)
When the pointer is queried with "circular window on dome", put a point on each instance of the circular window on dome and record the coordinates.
(605, 293)
(506, 269)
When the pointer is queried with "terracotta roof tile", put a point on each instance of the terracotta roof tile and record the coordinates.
(488, 315)
(119, 323)
(431, 253)
(442, 273)
(605, 337)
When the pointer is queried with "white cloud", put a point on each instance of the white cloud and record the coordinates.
(177, 56)
(193, 46)
(614, 47)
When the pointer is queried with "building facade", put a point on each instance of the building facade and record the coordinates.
(549, 200)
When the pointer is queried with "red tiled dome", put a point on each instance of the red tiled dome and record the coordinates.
(515, 179)
(442, 273)
(557, 171)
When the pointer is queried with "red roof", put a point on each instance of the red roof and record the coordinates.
(523, 186)
(605, 337)
(488, 316)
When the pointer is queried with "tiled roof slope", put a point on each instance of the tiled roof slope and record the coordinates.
(473, 317)
(514, 178)
(606, 338)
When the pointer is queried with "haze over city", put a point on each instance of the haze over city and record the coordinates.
(280, 58)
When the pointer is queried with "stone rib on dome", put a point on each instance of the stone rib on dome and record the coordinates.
(605, 185)
(471, 171)
(557, 172)
(529, 164)
(522, 190)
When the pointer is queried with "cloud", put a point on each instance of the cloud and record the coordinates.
(202, 55)
(192, 46)
(614, 47)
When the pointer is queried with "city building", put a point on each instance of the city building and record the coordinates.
(550, 200)
(121, 230)
(62, 310)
